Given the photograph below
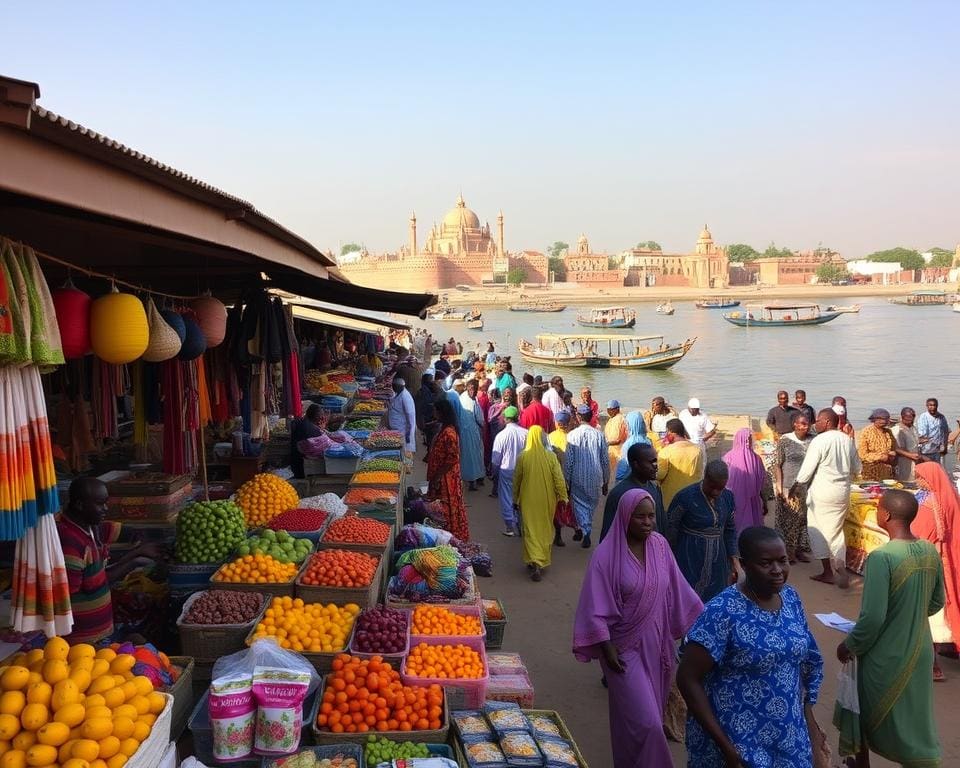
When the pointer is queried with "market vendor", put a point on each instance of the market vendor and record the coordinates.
(86, 538)
(305, 428)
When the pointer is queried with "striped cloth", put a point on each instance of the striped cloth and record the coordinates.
(86, 559)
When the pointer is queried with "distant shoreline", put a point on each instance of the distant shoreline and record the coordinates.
(492, 297)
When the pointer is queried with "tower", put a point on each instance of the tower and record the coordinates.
(500, 248)
(413, 233)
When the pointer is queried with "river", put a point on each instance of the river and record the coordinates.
(888, 356)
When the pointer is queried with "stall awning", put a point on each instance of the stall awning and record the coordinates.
(328, 314)
(355, 296)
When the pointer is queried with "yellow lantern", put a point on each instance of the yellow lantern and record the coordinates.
(119, 332)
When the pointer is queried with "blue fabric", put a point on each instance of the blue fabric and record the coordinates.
(471, 443)
(505, 497)
(636, 433)
(701, 542)
(584, 501)
(767, 666)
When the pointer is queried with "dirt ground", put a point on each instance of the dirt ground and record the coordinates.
(540, 627)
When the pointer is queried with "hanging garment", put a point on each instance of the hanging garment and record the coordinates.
(41, 593)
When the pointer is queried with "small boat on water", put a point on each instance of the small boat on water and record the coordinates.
(475, 325)
(608, 317)
(448, 315)
(665, 308)
(715, 302)
(956, 306)
(780, 315)
(538, 306)
(925, 298)
(853, 309)
(604, 351)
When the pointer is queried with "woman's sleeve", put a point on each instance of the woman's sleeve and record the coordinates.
(674, 519)
(714, 628)
(937, 598)
(730, 527)
(873, 605)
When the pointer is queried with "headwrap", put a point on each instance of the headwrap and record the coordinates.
(510, 412)
(561, 417)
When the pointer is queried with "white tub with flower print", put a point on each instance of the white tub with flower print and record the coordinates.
(232, 709)
(279, 695)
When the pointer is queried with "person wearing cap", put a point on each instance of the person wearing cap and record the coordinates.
(402, 414)
(877, 447)
(507, 447)
(698, 425)
(586, 467)
(839, 406)
(616, 431)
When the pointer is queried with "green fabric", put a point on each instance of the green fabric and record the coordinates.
(903, 585)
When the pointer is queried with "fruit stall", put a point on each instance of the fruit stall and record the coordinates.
(861, 531)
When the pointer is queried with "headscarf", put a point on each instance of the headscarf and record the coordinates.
(746, 479)
(943, 497)
(636, 434)
(602, 613)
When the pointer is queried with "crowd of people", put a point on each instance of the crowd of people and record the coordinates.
(689, 563)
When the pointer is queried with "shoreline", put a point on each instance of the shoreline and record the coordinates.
(492, 297)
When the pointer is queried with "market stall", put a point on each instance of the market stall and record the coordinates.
(861, 530)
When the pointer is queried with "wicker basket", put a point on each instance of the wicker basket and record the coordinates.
(208, 642)
(438, 736)
(284, 589)
(495, 627)
(182, 692)
(362, 596)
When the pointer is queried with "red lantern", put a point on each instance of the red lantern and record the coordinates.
(212, 319)
(73, 316)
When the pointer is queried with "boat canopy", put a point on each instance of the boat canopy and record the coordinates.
(594, 337)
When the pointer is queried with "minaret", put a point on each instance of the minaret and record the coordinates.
(413, 234)
(500, 249)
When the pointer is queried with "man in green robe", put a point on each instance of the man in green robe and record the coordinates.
(903, 585)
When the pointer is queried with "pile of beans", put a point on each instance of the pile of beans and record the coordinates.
(220, 606)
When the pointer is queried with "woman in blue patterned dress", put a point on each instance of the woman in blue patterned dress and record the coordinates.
(751, 670)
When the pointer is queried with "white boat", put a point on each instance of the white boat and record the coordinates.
(448, 315)
(475, 325)
(665, 308)
(604, 351)
(853, 309)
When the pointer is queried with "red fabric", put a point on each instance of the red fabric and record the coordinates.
(537, 414)
(443, 476)
(938, 521)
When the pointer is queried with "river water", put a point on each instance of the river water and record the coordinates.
(888, 356)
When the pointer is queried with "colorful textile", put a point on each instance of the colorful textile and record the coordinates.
(585, 467)
(41, 592)
(792, 512)
(767, 667)
(537, 486)
(85, 556)
(615, 431)
(903, 585)
(28, 331)
(642, 608)
(938, 521)
(703, 535)
(471, 443)
(445, 485)
(636, 434)
(747, 474)
(678, 465)
(874, 447)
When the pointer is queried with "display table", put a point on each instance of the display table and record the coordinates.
(861, 531)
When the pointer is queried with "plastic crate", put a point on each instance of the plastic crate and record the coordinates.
(463, 610)
(461, 694)
(362, 596)
(208, 642)
(495, 627)
(202, 731)
(341, 466)
(395, 659)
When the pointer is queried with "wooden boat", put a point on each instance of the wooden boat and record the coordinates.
(853, 309)
(715, 302)
(665, 308)
(448, 315)
(608, 317)
(475, 325)
(780, 315)
(538, 306)
(604, 351)
(925, 298)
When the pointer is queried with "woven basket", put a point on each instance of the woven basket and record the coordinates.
(282, 589)
(208, 642)
(495, 628)
(150, 751)
(362, 596)
(164, 342)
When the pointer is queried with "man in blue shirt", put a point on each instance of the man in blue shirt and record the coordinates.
(933, 431)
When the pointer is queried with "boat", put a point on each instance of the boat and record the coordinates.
(604, 351)
(665, 308)
(956, 306)
(780, 315)
(715, 302)
(853, 309)
(608, 317)
(448, 315)
(475, 325)
(538, 306)
(925, 298)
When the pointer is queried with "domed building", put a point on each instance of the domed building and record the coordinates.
(706, 267)
(459, 234)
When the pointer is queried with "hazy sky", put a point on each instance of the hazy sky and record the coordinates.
(801, 123)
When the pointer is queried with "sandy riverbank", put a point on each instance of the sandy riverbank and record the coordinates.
(583, 296)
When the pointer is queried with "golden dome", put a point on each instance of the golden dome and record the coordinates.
(461, 215)
(705, 234)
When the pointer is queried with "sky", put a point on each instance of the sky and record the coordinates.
(804, 124)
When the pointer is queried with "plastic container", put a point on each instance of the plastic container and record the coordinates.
(516, 689)
(340, 466)
(462, 610)
(331, 751)
(396, 659)
(362, 596)
(460, 694)
(495, 627)
(208, 642)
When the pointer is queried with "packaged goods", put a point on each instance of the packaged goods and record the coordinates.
(232, 711)
(484, 754)
(506, 717)
(471, 724)
(520, 749)
(558, 753)
(279, 694)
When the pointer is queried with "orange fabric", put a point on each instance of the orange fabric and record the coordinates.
(938, 521)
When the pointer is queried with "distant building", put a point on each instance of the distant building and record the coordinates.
(593, 269)
(882, 272)
(799, 269)
(705, 268)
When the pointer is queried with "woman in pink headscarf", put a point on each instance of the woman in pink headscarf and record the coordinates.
(633, 605)
(747, 475)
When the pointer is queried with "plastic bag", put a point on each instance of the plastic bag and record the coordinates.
(846, 712)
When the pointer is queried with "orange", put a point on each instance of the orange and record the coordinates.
(56, 649)
(122, 727)
(24, 740)
(85, 749)
(14, 678)
(41, 754)
(55, 670)
(9, 727)
(97, 728)
(109, 747)
(14, 758)
(34, 717)
(117, 761)
(39, 693)
(12, 703)
(81, 651)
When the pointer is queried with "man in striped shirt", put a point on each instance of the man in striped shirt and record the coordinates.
(585, 469)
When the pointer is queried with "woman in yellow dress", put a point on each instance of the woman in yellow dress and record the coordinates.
(537, 486)
(679, 463)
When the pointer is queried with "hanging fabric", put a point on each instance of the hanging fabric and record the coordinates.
(41, 593)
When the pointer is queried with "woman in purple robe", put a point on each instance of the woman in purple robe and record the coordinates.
(747, 476)
(633, 605)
